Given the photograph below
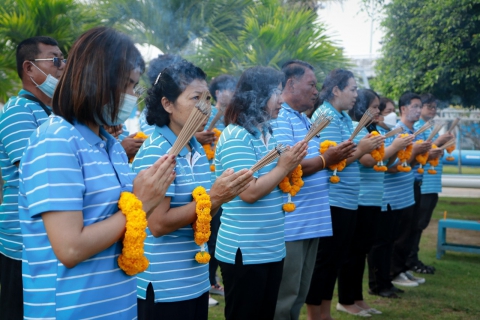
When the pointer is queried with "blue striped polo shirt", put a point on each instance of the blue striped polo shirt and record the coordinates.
(144, 126)
(173, 271)
(398, 187)
(256, 228)
(432, 183)
(220, 125)
(69, 168)
(343, 194)
(311, 218)
(19, 118)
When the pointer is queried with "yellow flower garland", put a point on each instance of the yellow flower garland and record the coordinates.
(139, 135)
(201, 226)
(335, 167)
(210, 148)
(450, 150)
(433, 163)
(421, 158)
(378, 155)
(404, 155)
(132, 260)
(292, 188)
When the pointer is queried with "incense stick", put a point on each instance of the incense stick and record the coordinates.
(454, 124)
(366, 119)
(215, 119)
(451, 142)
(269, 158)
(435, 130)
(320, 123)
(424, 128)
(394, 132)
(199, 115)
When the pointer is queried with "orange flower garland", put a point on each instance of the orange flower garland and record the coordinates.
(201, 226)
(210, 148)
(404, 156)
(335, 167)
(139, 135)
(292, 188)
(421, 158)
(132, 260)
(450, 150)
(433, 163)
(378, 155)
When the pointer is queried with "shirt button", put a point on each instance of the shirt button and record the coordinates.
(102, 145)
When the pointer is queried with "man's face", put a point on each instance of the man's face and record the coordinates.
(429, 110)
(413, 110)
(304, 93)
(47, 66)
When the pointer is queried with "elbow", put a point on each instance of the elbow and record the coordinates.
(248, 198)
(158, 230)
(69, 257)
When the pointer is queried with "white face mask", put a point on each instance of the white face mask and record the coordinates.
(128, 104)
(48, 86)
(390, 119)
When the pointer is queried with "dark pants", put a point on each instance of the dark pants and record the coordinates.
(11, 297)
(193, 309)
(251, 290)
(380, 255)
(403, 241)
(212, 242)
(350, 279)
(332, 254)
(428, 202)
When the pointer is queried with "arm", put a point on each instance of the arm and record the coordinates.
(366, 145)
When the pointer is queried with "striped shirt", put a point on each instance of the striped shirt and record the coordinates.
(311, 218)
(257, 229)
(432, 183)
(125, 133)
(19, 118)
(173, 271)
(144, 126)
(69, 168)
(220, 125)
(343, 194)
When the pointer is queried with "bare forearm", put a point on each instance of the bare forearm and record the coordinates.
(165, 220)
(262, 186)
(312, 165)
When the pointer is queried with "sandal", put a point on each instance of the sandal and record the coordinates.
(217, 289)
(423, 269)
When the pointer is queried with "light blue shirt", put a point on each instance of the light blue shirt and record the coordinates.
(19, 117)
(69, 168)
(256, 228)
(144, 126)
(343, 194)
(432, 183)
(311, 218)
(173, 271)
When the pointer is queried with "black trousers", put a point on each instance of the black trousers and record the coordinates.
(11, 296)
(423, 215)
(212, 243)
(193, 309)
(380, 255)
(251, 290)
(403, 241)
(350, 279)
(332, 254)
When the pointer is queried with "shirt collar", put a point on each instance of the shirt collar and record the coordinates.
(407, 129)
(170, 136)
(23, 91)
(306, 121)
(340, 115)
(90, 136)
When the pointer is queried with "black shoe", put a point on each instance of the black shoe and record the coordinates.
(384, 293)
(423, 269)
(396, 290)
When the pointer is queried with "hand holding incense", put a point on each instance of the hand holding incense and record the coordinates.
(450, 143)
(366, 119)
(393, 132)
(197, 117)
(424, 128)
(435, 130)
(454, 124)
(269, 158)
(215, 119)
(320, 123)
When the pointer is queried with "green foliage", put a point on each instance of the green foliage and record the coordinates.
(270, 35)
(431, 46)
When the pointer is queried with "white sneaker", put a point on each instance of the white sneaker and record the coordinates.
(411, 277)
(402, 280)
(212, 302)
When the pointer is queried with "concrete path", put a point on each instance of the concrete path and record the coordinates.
(460, 192)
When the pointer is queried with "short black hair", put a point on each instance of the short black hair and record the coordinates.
(295, 69)
(27, 50)
(428, 98)
(222, 82)
(171, 83)
(158, 64)
(364, 100)
(406, 99)
(383, 103)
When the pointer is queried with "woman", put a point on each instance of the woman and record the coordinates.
(387, 118)
(339, 93)
(72, 174)
(251, 246)
(175, 285)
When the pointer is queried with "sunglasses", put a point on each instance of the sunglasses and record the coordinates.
(57, 62)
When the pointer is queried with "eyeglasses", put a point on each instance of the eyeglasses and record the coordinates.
(415, 106)
(57, 62)
(430, 106)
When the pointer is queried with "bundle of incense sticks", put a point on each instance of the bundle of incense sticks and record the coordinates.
(454, 124)
(424, 128)
(270, 157)
(320, 123)
(451, 142)
(435, 130)
(394, 132)
(215, 119)
(139, 91)
(197, 117)
(366, 119)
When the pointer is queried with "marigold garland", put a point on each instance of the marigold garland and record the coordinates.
(378, 155)
(433, 162)
(335, 167)
(404, 155)
(450, 150)
(139, 135)
(201, 226)
(132, 260)
(292, 188)
(421, 158)
(210, 147)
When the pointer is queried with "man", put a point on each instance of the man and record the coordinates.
(40, 64)
(311, 218)
(427, 192)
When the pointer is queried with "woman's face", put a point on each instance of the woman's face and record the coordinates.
(180, 110)
(133, 81)
(389, 108)
(373, 107)
(346, 98)
(274, 104)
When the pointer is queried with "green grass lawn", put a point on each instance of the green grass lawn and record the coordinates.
(453, 169)
(452, 293)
